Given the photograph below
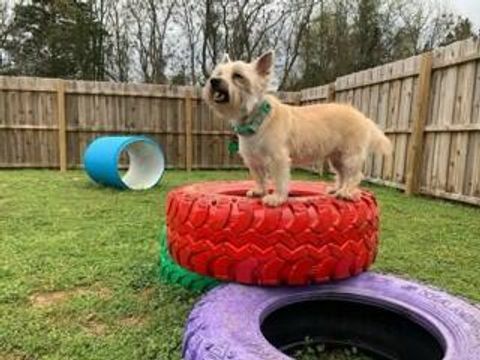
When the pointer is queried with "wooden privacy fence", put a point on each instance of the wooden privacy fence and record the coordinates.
(428, 105)
(48, 122)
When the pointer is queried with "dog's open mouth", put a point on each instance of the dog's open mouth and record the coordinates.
(220, 96)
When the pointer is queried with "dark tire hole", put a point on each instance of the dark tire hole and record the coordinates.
(379, 333)
(330, 352)
(294, 193)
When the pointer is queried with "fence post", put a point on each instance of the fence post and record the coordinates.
(62, 126)
(331, 92)
(298, 98)
(415, 150)
(188, 130)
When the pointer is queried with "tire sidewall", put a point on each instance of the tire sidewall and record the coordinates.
(312, 238)
(227, 321)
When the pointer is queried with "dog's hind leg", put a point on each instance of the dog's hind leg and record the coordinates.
(351, 175)
(350, 191)
(336, 166)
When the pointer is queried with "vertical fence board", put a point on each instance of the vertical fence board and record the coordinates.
(446, 112)
(373, 114)
(421, 108)
(472, 171)
(474, 188)
(188, 131)
(62, 125)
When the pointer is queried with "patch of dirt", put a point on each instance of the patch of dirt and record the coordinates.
(103, 293)
(47, 299)
(10, 357)
(93, 326)
(146, 294)
(133, 321)
(51, 298)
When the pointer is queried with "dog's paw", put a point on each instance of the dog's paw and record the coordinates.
(255, 193)
(274, 200)
(349, 195)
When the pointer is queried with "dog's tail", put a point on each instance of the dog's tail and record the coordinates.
(379, 143)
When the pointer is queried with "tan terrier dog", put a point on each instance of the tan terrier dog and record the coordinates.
(271, 134)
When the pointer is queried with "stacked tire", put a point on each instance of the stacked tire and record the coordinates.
(216, 234)
(215, 231)
(172, 273)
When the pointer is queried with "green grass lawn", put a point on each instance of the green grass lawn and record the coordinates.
(78, 263)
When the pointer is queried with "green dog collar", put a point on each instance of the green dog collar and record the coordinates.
(233, 145)
(256, 120)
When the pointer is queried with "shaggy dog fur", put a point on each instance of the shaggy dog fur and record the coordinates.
(336, 133)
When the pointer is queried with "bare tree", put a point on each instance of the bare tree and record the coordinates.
(99, 39)
(5, 20)
(190, 22)
(246, 28)
(211, 24)
(297, 29)
(156, 41)
(422, 25)
(3, 34)
(3, 24)
(152, 20)
(119, 20)
(249, 27)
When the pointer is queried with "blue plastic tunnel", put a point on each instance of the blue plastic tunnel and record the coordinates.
(146, 162)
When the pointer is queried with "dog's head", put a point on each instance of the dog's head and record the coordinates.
(237, 86)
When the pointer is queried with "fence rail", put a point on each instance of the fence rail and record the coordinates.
(428, 105)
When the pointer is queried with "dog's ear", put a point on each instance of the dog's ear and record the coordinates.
(264, 63)
(225, 59)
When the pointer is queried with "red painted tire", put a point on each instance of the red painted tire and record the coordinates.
(214, 230)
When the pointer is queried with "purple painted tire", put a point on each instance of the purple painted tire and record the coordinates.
(384, 316)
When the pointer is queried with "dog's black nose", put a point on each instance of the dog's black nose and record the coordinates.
(215, 82)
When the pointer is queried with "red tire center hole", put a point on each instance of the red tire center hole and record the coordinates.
(293, 193)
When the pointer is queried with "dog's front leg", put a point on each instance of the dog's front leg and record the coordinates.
(280, 172)
(259, 174)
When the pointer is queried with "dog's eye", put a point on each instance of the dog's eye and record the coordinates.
(237, 76)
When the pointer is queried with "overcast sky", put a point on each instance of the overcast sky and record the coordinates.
(470, 8)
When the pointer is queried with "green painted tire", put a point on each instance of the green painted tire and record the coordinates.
(172, 273)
